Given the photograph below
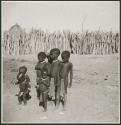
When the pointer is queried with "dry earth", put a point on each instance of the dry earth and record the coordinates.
(93, 98)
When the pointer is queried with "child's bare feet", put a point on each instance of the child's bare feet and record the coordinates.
(19, 103)
(64, 109)
(25, 103)
(40, 103)
(61, 113)
(44, 110)
(16, 94)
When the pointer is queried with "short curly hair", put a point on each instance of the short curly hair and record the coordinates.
(23, 67)
(66, 52)
(42, 54)
(55, 50)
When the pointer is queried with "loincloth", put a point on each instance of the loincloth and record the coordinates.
(52, 88)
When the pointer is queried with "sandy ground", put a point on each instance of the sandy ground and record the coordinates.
(93, 98)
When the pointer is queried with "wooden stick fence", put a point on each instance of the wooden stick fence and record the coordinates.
(17, 41)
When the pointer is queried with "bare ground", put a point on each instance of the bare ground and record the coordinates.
(93, 98)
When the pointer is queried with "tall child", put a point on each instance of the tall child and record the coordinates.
(55, 77)
(66, 70)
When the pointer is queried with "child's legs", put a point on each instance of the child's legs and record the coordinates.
(52, 89)
(40, 97)
(45, 97)
(65, 100)
(19, 97)
(57, 96)
(24, 97)
(37, 89)
(38, 93)
(28, 96)
(65, 93)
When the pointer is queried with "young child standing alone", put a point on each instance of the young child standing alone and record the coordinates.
(67, 68)
(23, 81)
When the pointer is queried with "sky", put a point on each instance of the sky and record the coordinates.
(62, 15)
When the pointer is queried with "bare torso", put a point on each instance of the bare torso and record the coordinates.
(66, 68)
(55, 68)
(48, 66)
(39, 67)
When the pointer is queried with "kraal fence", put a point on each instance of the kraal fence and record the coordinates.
(16, 41)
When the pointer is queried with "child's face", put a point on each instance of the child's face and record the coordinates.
(22, 70)
(65, 58)
(41, 59)
(53, 55)
(44, 74)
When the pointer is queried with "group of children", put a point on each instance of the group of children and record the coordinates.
(52, 79)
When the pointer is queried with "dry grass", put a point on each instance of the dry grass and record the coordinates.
(94, 96)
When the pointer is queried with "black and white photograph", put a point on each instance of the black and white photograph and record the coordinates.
(60, 62)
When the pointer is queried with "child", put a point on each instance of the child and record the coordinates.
(67, 68)
(54, 74)
(23, 81)
(49, 58)
(43, 85)
(48, 66)
(41, 63)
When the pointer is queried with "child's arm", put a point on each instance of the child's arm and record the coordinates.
(71, 75)
(37, 67)
(58, 76)
(27, 80)
(47, 83)
(19, 76)
(16, 83)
